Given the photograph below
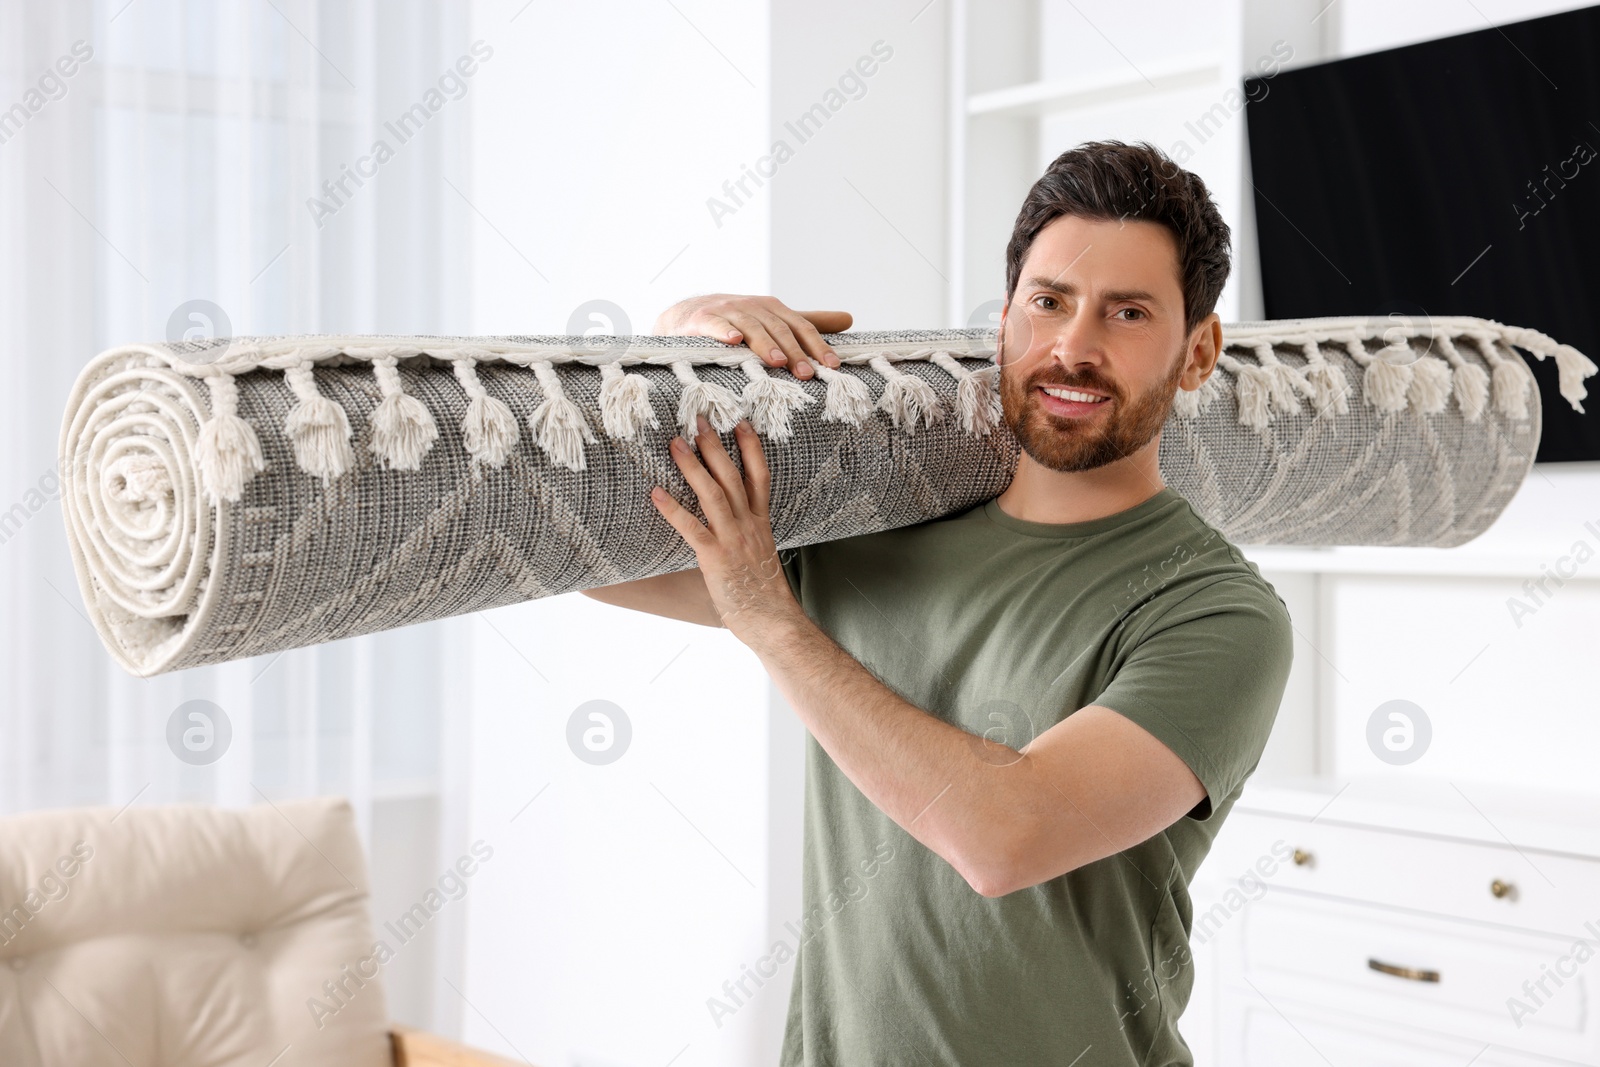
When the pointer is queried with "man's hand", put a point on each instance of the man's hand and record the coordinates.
(776, 333)
(738, 556)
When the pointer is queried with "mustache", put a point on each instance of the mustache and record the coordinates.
(1089, 381)
(1086, 382)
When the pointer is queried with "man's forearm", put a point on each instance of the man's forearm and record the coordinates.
(928, 776)
(959, 794)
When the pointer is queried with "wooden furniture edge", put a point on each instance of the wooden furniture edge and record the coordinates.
(418, 1048)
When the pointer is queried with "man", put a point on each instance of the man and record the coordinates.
(1027, 720)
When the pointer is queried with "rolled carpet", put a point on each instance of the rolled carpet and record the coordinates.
(240, 496)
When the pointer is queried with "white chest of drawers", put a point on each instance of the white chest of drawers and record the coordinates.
(1399, 923)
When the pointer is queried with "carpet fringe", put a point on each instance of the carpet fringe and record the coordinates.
(1425, 377)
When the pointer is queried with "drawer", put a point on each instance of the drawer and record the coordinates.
(1260, 1037)
(1435, 876)
(1434, 975)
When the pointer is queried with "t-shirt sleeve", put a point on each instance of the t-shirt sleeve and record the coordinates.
(1206, 678)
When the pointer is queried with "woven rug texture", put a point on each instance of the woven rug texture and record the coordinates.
(243, 496)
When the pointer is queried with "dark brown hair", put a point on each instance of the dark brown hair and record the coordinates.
(1109, 181)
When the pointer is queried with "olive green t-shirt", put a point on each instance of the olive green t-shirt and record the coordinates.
(1005, 627)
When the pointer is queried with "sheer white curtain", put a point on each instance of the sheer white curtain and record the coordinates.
(154, 153)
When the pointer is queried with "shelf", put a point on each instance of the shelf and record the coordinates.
(1041, 98)
(1461, 562)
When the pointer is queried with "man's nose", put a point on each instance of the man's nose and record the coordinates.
(1078, 341)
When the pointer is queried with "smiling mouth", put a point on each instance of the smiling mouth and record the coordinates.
(1078, 405)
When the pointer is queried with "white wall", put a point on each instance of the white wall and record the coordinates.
(626, 894)
(601, 130)
(619, 897)
(859, 213)
(1373, 25)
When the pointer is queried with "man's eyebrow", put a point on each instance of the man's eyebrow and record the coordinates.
(1068, 289)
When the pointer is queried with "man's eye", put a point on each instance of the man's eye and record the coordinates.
(1049, 298)
(1136, 311)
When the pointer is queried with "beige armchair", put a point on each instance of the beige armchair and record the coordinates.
(194, 936)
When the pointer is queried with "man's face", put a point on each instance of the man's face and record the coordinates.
(1098, 310)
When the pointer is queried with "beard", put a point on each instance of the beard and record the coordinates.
(1068, 444)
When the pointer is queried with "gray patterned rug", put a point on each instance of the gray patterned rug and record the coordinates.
(234, 497)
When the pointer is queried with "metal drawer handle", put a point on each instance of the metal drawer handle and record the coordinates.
(1500, 890)
(1302, 857)
(1415, 974)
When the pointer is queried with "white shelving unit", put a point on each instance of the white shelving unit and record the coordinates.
(1031, 78)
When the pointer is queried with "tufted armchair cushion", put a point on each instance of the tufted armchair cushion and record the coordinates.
(188, 936)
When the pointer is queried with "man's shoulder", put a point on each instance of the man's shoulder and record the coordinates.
(1199, 566)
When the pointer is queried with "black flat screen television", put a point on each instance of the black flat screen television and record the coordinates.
(1458, 176)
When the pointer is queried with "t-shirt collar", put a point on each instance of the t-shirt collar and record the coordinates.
(1065, 530)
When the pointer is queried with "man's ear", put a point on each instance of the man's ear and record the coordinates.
(1205, 345)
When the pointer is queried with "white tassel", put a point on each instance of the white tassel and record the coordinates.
(1253, 388)
(1430, 385)
(488, 428)
(317, 427)
(770, 399)
(1283, 384)
(905, 396)
(1383, 384)
(557, 423)
(1572, 366)
(1189, 403)
(402, 426)
(229, 452)
(625, 402)
(848, 400)
(977, 396)
(1471, 382)
(1330, 391)
(717, 403)
(1510, 388)
(1508, 378)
